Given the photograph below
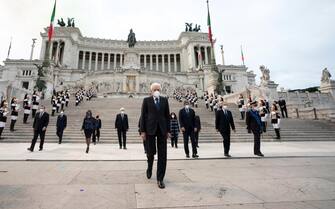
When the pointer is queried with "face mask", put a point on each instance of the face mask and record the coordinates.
(187, 106)
(157, 94)
(255, 108)
(173, 116)
(224, 107)
(41, 110)
(62, 113)
(122, 112)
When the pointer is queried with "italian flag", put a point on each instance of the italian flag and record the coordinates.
(51, 27)
(210, 35)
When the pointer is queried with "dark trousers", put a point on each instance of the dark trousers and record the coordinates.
(59, 133)
(66, 104)
(242, 115)
(162, 154)
(33, 113)
(284, 112)
(122, 136)
(189, 134)
(12, 124)
(53, 112)
(196, 138)
(25, 118)
(94, 136)
(257, 142)
(264, 124)
(1, 130)
(36, 134)
(98, 133)
(174, 141)
(277, 130)
(226, 141)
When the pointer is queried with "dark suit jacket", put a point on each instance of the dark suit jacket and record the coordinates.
(153, 118)
(197, 123)
(187, 120)
(282, 103)
(39, 123)
(121, 124)
(252, 124)
(223, 122)
(61, 122)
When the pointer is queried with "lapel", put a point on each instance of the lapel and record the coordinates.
(152, 102)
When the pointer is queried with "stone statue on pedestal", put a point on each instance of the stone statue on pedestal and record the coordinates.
(265, 74)
(325, 76)
(131, 39)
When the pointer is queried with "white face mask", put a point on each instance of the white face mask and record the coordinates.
(224, 107)
(122, 112)
(62, 113)
(156, 94)
(172, 116)
(187, 106)
(41, 110)
(255, 108)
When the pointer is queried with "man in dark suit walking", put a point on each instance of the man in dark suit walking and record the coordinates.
(122, 126)
(198, 126)
(155, 126)
(254, 125)
(40, 125)
(223, 123)
(188, 127)
(61, 125)
(283, 109)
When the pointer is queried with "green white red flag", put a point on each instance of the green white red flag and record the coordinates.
(52, 20)
(210, 34)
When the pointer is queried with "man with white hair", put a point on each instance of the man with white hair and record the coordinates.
(155, 126)
(122, 126)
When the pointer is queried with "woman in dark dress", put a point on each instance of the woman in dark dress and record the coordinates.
(88, 127)
(174, 127)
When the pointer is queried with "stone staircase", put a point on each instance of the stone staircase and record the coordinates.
(107, 108)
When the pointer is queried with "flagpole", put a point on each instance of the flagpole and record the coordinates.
(10, 47)
(242, 54)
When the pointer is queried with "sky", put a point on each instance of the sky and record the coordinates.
(295, 39)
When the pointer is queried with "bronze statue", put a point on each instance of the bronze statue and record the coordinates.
(61, 22)
(131, 39)
(70, 22)
(189, 27)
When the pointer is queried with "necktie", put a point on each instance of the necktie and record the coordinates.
(187, 110)
(157, 103)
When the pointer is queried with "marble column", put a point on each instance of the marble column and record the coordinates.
(163, 63)
(150, 62)
(169, 63)
(109, 61)
(90, 62)
(83, 61)
(206, 56)
(115, 61)
(175, 63)
(96, 61)
(157, 63)
(102, 61)
(145, 62)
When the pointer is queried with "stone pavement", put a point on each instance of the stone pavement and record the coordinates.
(111, 152)
(294, 175)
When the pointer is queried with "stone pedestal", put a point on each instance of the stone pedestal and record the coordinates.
(131, 60)
(210, 79)
(328, 87)
(269, 90)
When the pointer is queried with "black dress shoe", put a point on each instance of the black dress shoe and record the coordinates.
(161, 184)
(124, 147)
(195, 156)
(29, 149)
(40, 149)
(227, 155)
(87, 149)
(188, 156)
(260, 154)
(149, 173)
